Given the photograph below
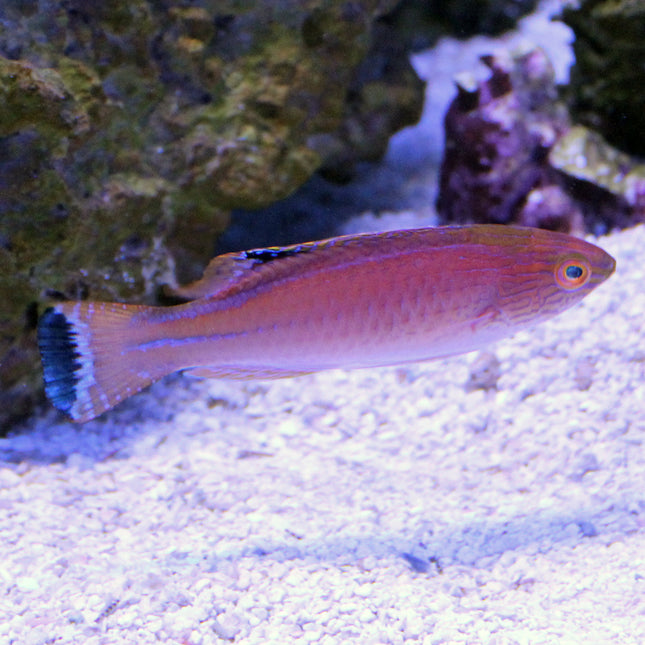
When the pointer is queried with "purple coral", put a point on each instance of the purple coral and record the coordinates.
(498, 136)
(513, 156)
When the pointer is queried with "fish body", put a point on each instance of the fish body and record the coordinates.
(352, 301)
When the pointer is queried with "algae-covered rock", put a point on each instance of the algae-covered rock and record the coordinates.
(618, 178)
(608, 77)
(128, 130)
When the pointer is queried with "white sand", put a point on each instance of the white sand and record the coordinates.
(381, 506)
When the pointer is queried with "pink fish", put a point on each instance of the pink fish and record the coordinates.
(352, 301)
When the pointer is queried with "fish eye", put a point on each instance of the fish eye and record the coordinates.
(572, 273)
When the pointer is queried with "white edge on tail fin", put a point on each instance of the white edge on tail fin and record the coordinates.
(83, 406)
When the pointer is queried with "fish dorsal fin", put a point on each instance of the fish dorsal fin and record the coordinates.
(227, 272)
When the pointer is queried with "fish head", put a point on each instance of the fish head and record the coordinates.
(578, 267)
(583, 271)
(543, 273)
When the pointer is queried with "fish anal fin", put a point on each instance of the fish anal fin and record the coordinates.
(242, 374)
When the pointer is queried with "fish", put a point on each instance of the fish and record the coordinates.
(354, 301)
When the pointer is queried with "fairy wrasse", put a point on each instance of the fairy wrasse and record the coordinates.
(352, 301)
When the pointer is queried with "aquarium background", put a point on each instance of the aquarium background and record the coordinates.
(493, 497)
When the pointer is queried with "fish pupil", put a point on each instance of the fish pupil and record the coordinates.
(573, 272)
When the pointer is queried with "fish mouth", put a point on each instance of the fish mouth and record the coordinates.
(603, 267)
(608, 266)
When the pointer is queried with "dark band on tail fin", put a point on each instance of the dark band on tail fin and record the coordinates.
(60, 358)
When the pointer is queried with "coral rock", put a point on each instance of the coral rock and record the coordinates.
(513, 155)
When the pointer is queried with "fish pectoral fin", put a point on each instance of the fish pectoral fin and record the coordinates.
(242, 374)
(486, 317)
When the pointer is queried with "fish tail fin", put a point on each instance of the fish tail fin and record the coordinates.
(83, 352)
